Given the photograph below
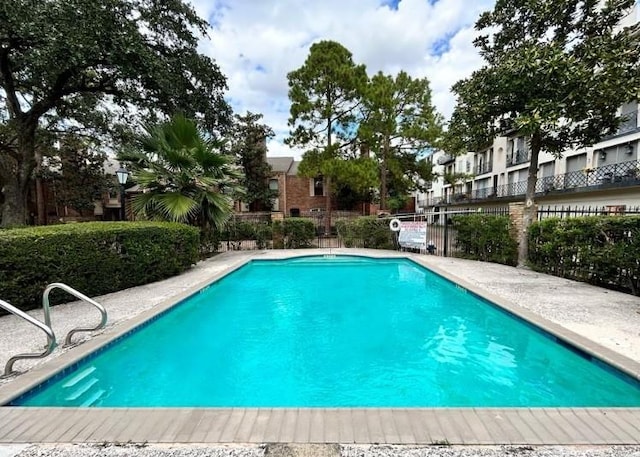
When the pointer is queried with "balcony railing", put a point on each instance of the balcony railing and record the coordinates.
(517, 157)
(483, 168)
(612, 175)
(624, 172)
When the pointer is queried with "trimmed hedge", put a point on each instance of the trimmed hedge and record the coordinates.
(293, 233)
(95, 258)
(366, 232)
(485, 237)
(600, 250)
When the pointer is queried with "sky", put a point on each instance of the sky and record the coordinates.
(257, 42)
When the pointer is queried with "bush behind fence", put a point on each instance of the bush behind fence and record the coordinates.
(603, 251)
(485, 237)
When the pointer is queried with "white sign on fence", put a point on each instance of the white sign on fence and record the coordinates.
(413, 235)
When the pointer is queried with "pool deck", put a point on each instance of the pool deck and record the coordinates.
(600, 322)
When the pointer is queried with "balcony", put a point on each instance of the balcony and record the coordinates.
(430, 202)
(481, 194)
(615, 174)
(445, 159)
(518, 157)
(605, 177)
(483, 168)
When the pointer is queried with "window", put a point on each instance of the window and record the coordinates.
(273, 184)
(318, 186)
(547, 169)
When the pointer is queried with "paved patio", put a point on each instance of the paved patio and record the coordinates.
(603, 323)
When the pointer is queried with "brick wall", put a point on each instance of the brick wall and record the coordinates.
(298, 195)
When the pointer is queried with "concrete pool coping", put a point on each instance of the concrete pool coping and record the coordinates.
(358, 425)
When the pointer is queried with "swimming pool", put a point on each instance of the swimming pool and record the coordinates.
(337, 332)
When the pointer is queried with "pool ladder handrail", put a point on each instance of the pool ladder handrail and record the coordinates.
(51, 338)
(79, 295)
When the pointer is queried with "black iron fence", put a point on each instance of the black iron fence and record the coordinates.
(251, 231)
(579, 211)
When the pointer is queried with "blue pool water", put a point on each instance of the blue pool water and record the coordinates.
(337, 332)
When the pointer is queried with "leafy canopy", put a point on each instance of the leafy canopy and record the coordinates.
(76, 173)
(555, 70)
(325, 96)
(96, 68)
(67, 56)
(400, 124)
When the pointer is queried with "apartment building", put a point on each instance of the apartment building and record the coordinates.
(606, 174)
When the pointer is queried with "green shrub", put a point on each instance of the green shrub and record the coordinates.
(298, 232)
(366, 232)
(95, 258)
(485, 237)
(263, 234)
(209, 242)
(601, 250)
(239, 230)
(278, 234)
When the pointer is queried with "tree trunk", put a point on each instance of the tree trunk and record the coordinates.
(529, 214)
(383, 176)
(40, 200)
(327, 207)
(14, 210)
(16, 174)
(327, 183)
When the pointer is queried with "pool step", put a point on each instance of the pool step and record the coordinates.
(93, 398)
(82, 389)
(79, 377)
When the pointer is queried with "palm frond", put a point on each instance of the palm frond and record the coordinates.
(176, 207)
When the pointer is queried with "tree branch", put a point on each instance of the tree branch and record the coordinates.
(9, 84)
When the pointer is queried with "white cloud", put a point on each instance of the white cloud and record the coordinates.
(256, 43)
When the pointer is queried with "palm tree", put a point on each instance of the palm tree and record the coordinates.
(183, 175)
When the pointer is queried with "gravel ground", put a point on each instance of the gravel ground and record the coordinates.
(123, 450)
(492, 451)
(70, 450)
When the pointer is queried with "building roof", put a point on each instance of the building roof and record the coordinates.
(280, 164)
(294, 168)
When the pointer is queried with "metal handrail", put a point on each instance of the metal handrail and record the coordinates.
(51, 337)
(81, 296)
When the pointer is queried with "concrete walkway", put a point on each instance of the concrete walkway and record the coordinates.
(605, 323)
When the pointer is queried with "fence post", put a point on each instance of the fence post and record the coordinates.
(516, 216)
(278, 236)
(446, 233)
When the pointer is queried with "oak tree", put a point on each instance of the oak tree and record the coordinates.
(556, 71)
(95, 66)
